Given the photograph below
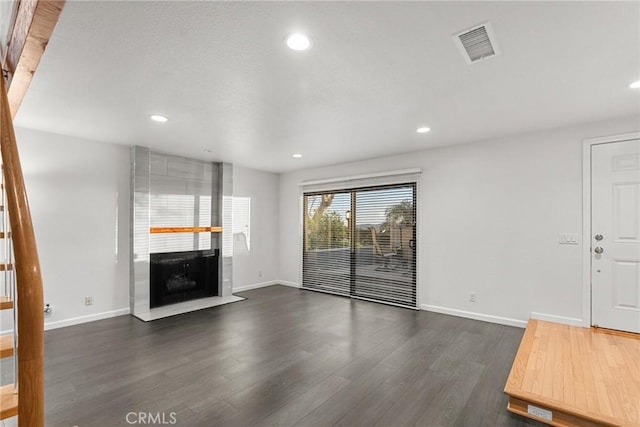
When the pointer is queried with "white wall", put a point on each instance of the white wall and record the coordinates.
(490, 214)
(79, 197)
(260, 264)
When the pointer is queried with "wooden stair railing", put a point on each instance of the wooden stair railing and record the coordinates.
(29, 280)
(9, 342)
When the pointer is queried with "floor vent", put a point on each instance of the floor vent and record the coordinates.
(477, 43)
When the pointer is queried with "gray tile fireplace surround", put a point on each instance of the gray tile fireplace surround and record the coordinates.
(172, 191)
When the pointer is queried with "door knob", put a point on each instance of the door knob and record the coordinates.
(599, 237)
(598, 250)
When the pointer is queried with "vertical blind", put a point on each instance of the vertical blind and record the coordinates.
(361, 243)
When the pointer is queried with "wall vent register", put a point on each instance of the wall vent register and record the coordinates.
(477, 43)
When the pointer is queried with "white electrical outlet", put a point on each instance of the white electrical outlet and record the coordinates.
(88, 300)
(259, 273)
(472, 297)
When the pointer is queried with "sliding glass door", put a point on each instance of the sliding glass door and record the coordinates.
(361, 243)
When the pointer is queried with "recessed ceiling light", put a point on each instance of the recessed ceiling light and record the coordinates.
(298, 41)
(635, 85)
(423, 130)
(296, 155)
(158, 118)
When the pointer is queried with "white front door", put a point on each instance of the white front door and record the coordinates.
(615, 235)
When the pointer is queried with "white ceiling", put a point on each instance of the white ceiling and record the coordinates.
(223, 75)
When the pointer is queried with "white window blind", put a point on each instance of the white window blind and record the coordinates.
(241, 227)
(179, 210)
(227, 226)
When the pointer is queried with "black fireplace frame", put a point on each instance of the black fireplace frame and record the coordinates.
(182, 276)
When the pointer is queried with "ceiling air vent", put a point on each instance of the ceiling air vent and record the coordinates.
(477, 43)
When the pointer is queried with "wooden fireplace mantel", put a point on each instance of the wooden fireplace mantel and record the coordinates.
(157, 230)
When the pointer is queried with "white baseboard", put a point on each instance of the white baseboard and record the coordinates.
(254, 286)
(290, 284)
(85, 319)
(475, 316)
(78, 320)
(557, 319)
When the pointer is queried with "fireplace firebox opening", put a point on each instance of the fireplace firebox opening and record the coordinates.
(183, 276)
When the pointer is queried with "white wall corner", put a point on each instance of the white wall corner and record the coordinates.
(475, 316)
(557, 319)
(85, 319)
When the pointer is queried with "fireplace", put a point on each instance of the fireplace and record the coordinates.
(183, 276)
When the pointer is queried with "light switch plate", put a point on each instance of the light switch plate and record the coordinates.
(568, 239)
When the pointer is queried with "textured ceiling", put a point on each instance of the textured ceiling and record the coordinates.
(223, 75)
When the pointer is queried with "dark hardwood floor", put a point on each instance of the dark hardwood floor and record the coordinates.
(283, 357)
